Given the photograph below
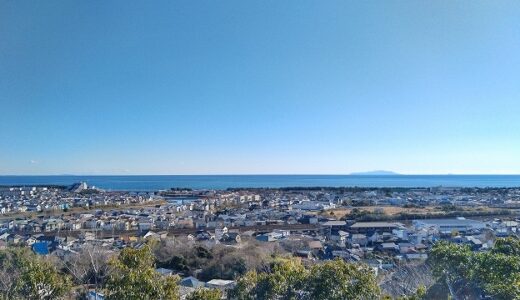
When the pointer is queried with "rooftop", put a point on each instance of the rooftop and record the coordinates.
(373, 224)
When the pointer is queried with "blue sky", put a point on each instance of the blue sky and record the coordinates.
(259, 87)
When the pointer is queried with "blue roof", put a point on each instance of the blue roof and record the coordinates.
(41, 248)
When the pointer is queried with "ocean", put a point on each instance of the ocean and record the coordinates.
(161, 182)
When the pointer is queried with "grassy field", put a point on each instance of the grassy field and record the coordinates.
(396, 210)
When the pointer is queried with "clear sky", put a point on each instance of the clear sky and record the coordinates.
(259, 87)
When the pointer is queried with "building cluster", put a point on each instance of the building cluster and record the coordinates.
(59, 221)
(39, 199)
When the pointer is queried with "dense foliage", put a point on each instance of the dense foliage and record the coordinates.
(205, 294)
(290, 279)
(23, 275)
(495, 272)
(131, 274)
(134, 277)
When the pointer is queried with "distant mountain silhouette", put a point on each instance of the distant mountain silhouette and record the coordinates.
(377, 172)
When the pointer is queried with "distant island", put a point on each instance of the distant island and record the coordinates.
(377, 172)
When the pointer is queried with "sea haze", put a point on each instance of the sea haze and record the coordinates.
(159, 182)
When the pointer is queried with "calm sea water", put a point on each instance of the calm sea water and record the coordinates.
(158, 182)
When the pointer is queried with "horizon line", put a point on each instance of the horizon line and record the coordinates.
(275, 174)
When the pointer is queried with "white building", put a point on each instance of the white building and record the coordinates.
(449, 225)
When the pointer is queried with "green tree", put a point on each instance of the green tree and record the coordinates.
(205, 294)
(134, 277)
(496, 272)
(246, 287)
(337, 280)
(289, 279)
(507, 246)
(450, 261)
(31, 277)
(285, 281)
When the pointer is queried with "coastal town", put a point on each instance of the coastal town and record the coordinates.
(389, 229)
